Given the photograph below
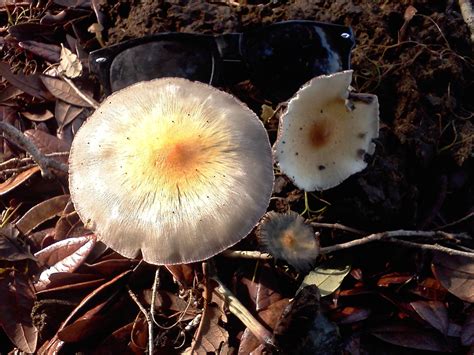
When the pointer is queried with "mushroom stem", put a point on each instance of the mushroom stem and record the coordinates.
(239, 310)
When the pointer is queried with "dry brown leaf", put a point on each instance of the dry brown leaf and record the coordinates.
(41, 213)
(11, 249)
(456, 273)
(50, 52)
(65, 113)
(213, 338)
(64, 256)
(412, 336)
(17, 180)
(62, 90)
(48, 143)
(31, 84)
(38, 116)
(434, 313)
(16, 302)
(467, 332)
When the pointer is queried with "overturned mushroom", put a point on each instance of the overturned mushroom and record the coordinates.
(326, 132)
(175, 169)
(288, 238)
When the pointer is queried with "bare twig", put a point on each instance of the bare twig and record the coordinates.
(460, 220)
(392, 237)
(147, 318)
(246, 254)
(16, 137)
(337, 226)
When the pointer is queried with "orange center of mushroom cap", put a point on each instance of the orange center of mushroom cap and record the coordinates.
(288, 239)
(320, 133)
(181, 156)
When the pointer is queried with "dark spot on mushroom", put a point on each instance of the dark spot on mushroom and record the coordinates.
(128, 138)
(281, 151)
(296, 153)
(283, 142)
(320, 133)
(321, 111)
(361, 135)
(301, 128)
(321, 167)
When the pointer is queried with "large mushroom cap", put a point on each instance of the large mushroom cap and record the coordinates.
(175, 169)
(326, 132)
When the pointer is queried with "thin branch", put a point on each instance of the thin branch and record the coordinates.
(393, 236)
(16, 137)
(147, 318)
(337, 226)
(460, 220)
(246, 254)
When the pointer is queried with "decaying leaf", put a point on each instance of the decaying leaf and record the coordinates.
(41, 213)
(64, 256)
(16, 301)
(410, 335)
(65, 113)
(62, 90)
(434, 313)
(17, 180)
(327, 277)
(303, 329)
(31, 84)
(70, 64)
(11, 249)
(456, 273)
(50, 52)
(48, 143)
(467, 332)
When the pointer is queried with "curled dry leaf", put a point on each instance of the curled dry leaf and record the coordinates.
(17, 180)
(41, 213)
(62, 90)
(38, 116)
(456, 273)
(70, 64)
(434, 313)
(16, 302)
(64, 256)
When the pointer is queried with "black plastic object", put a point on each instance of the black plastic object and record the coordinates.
(278, 58)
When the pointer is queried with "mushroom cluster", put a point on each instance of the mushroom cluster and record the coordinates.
(175, 169)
